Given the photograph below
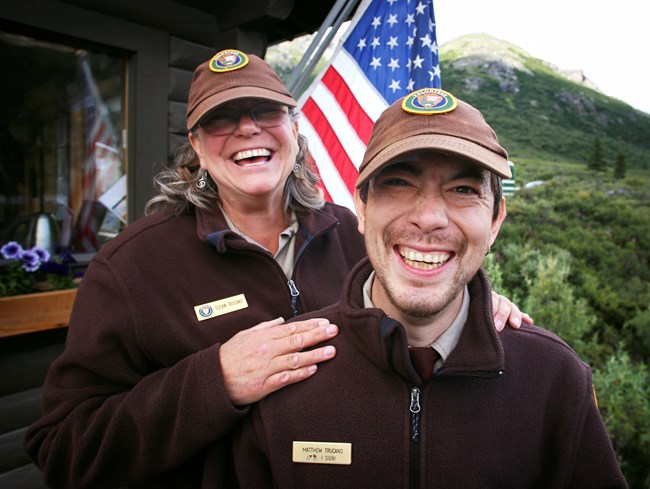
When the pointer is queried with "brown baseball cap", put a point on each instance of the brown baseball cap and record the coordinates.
(432, 119)
(230, 75)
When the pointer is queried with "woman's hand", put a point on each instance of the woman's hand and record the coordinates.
(267, 357)
(506, 311)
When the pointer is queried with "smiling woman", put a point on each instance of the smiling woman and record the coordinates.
(235, 240)
(248, 149)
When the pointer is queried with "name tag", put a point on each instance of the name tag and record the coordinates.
(317, 452)
(220, 307)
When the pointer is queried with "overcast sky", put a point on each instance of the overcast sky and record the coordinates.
(609, 41)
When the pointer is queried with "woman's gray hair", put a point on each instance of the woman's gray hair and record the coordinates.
(177, 186)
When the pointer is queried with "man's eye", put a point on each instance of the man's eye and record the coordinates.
(394, 182)
(465, 190)
(266, 110)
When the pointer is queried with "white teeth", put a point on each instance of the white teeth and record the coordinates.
(251, 153)
(426, 261)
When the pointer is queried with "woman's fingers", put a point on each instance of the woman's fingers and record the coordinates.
(506, 312)
(269, 356)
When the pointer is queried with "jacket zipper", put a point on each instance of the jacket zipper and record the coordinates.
(293, 290)
(415, 408)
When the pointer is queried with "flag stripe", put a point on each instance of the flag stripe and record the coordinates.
(370, 100)
(330, 140)
(339, 123)
(349, 104)
(331, 179)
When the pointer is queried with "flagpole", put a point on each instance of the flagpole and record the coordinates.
(340, 11)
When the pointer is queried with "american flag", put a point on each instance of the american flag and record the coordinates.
(103, 159)
(103, 164)
(389, 50)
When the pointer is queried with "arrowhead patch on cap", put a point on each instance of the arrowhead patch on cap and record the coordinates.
(429, 101)
(228, 60)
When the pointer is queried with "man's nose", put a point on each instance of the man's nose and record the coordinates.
(429, 212)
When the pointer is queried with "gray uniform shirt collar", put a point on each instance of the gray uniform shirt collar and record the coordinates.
(286, 243)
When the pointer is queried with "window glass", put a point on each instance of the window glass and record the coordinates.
(62, 153)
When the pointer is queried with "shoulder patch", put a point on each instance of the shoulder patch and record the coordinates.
(429, 101)
(228, 60)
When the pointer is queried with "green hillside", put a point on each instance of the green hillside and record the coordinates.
(574, 252)
(536, 111)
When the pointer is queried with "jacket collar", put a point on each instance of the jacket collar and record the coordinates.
(211, 226)
(210, 220)
(383, 340)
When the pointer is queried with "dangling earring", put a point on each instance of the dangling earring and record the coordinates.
(201, 183)
(296, 168)
(489, 250)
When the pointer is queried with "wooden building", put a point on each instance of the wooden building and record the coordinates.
(136, 58)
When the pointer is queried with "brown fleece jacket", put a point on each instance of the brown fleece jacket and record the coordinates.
(508, 410)
(137, 397)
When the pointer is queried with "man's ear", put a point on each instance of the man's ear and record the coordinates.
(360, 206)
(496, 223)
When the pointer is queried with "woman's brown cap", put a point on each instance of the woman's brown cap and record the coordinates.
(231, 75)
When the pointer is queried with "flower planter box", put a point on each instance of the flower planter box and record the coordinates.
(35, 312)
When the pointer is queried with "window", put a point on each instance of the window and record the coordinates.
(62, 151)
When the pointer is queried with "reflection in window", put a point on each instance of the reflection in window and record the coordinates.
(62, 156)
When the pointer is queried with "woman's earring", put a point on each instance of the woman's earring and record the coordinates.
(296, 168)
(489, 250)
(201, 183)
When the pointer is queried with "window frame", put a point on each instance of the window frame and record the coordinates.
(146, 94)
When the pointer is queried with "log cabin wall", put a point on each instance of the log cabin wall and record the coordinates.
(24, 361)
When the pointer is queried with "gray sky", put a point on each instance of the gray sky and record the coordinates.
(607, 40)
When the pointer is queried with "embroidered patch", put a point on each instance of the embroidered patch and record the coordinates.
(321, 452)
(228, 60)
(220, 307)
(428, 101)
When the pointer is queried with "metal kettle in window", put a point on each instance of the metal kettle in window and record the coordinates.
(40, 229)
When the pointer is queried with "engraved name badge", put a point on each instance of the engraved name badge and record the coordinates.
(220, 307)
(319, 452)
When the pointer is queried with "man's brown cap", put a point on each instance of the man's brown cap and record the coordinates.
(231, 75)
(431, 119)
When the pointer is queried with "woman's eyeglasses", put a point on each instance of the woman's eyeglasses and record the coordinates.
(220, 122)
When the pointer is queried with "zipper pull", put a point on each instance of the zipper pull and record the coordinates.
(415, 414)
(415, 400)
(293, 290)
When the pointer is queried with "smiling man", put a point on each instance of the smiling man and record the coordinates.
(423, 392)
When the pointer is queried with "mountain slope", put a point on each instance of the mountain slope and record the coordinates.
(539, 111)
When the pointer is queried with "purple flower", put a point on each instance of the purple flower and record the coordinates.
(31, 261)
(43, 255)
(11, 250)
(30, 269)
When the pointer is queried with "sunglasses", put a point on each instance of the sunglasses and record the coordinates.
(220, 122)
